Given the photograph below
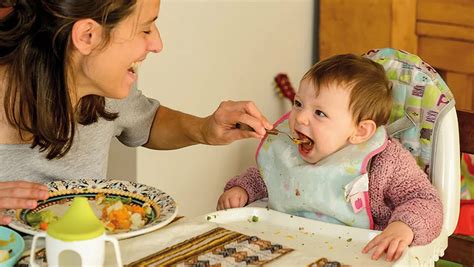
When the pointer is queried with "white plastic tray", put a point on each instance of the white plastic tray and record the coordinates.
(311, 239)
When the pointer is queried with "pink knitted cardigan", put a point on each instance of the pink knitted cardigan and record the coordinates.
(398, 191)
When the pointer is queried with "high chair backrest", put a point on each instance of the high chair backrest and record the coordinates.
(424, 119)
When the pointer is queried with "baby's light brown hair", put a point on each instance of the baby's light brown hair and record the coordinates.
(370, 90)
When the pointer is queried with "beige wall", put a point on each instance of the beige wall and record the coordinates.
(216, 50)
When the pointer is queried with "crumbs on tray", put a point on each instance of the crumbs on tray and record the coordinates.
(323, 262)
(253, 218)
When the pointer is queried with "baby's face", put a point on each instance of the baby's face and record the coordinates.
(325, 119)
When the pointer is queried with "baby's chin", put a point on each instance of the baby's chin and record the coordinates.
(309, 156)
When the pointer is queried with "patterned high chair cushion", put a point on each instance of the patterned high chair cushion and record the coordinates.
(420, 100)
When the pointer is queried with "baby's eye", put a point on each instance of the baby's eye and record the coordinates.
(319, 113)
(297, 103)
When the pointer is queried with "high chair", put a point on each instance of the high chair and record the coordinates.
(461, 247)
(424, 119)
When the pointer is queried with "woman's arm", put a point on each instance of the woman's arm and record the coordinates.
(173, 129)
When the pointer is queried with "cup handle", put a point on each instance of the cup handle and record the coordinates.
(33, 246)
(118, 256)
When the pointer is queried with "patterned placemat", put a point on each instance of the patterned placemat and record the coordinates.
(218, 247)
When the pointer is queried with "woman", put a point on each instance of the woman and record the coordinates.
(67, 75)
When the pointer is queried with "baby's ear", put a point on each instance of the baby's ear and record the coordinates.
(363, 132)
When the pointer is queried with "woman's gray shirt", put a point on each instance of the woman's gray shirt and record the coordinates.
(89, 153)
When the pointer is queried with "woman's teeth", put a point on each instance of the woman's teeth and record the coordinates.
(134, 67)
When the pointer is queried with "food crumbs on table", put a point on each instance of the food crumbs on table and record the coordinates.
(291, 216)
(339, 237)
(301, 228)
(277, 233)
(208, 218)
(349, 240)
(253, 219)
(290, 237)
(331, 247)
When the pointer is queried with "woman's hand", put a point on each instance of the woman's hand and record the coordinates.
(20, 195)
(173, 129)
(393, 241)
(235, 197)
(219, 128)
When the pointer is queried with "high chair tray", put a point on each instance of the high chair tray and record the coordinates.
(312, 240)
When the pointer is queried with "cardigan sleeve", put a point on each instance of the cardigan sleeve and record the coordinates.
(252, 182)
(409, 194)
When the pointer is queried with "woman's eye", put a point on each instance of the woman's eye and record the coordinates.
(147, 32)
(297, 103)
(319, 113)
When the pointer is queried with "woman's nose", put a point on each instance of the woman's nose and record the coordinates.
(155, 44)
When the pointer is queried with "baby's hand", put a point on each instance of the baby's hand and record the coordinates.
(235, 197)
(393, 241)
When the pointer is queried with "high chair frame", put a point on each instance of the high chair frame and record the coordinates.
(461, 248)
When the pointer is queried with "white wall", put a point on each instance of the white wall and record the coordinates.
(215, 50)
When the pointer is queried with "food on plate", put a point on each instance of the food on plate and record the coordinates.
(4, 255)
(41, 219)
(120, 213)
(116, 213)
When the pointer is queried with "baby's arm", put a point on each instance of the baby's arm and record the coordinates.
(412, 213)
(252, 184)
(415, 200)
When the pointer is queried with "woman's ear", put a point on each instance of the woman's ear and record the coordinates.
(364, 131)
(86, 35)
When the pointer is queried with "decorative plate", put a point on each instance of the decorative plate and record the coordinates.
(61, 194)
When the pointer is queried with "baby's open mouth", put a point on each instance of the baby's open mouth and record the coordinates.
(305, 143)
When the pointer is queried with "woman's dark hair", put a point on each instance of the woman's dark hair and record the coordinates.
(35, 44)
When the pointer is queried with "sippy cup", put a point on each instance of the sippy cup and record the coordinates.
(76, 239)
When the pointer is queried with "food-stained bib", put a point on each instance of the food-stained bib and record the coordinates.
(334, 190)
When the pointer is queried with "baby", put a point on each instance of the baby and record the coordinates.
(346, 170)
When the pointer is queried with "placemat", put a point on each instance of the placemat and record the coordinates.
(218, 247)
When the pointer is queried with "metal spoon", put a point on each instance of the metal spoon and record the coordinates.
(295, 140)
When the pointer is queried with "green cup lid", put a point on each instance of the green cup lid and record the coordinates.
(78, 223)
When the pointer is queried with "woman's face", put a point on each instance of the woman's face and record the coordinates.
(110, 71)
